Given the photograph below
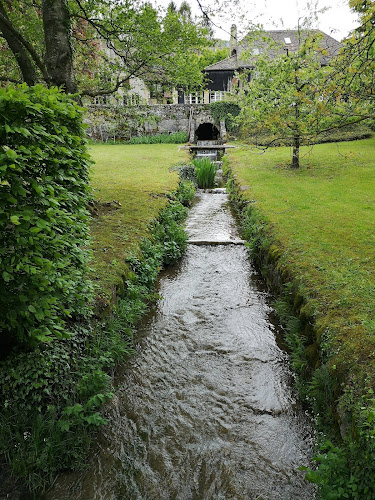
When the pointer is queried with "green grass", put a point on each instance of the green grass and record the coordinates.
(137, 177)
(323, 217)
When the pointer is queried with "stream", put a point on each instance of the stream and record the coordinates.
(205, 409)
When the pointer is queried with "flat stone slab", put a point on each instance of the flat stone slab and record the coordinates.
(217, 146)
(216, 242)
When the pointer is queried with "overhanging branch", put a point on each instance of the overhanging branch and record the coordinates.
(5, 24)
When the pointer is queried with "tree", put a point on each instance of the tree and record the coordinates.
(288, 98)
(211, 55)
(94, 47)
(354, 71)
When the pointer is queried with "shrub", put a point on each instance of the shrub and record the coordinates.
(43, 219)
(225, 111)
(174, 138)
(186, 193)
(349, 133)
(187, 173)
(205, 171)
(50, 397)
(50, 400)
(347, 471)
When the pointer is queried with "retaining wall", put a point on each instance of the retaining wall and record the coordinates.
(124, 122)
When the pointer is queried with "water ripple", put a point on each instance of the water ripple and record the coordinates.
(205, 409)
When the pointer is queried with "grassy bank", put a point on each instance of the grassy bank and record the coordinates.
(317, 229)
(130, 183)
(52, 395)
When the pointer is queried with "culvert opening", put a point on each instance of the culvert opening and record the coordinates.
(207, 132)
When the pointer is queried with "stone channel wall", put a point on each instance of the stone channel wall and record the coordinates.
(123, 122)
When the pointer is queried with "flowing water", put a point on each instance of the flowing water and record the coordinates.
(204, 410)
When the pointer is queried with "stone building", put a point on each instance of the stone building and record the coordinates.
(221, 76)
(155, 109)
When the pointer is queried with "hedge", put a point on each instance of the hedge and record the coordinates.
(43, 219)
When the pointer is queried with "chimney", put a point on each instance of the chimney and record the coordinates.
(233, 40)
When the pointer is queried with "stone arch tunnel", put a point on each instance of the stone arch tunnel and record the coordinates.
(207, 132)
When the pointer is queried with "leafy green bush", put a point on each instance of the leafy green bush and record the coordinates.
(225, 111)
(167, 243)
(50, 397)
(43, 219)
(50, 400)
(186, 193)
(205, 172)
(187, 173)
(174, 138)
(347, 471)
(349, 133)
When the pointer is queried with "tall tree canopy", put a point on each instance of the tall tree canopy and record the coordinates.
(94, 47)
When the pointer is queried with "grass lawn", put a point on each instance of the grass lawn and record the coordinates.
(134, 180)
(324, 219)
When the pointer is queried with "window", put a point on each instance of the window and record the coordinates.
(101, 100)
(195, 98)
(217, 95)
(132, 99)
(156, 90)
(287, 40)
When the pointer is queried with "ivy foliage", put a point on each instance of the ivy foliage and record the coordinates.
(225, 111)
(43, 219)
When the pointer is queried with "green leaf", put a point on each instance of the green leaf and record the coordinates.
(11, 154)
(15, 220)
(42, 224)
(64, 425)
(6, 276)
(24, 132)
(36, 187)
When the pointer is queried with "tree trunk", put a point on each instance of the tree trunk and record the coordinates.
(296, 131)
(21, 55)
(295, 157)
(59, 55)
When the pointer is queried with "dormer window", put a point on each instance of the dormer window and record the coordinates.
(287, 40)
(256, 51)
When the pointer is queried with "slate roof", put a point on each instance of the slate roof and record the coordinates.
(280, 37)
(229, 63)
